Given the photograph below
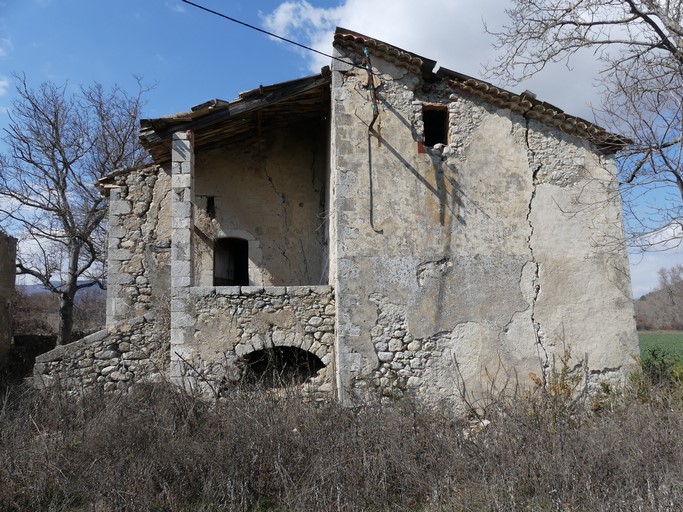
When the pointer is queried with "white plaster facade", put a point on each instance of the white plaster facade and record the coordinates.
(457, 235)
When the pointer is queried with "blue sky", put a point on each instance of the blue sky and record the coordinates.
(191, 56)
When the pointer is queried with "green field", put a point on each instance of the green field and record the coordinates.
(668, 341)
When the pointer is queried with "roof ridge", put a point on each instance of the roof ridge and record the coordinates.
(523, 104)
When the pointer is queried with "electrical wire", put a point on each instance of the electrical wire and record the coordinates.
(234, 20)
(367, 66)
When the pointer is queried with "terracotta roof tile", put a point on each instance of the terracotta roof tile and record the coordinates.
(522, 104)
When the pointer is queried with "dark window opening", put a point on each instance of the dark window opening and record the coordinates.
(435, 125)
(231, 262)
(280, 367)
(211, 207)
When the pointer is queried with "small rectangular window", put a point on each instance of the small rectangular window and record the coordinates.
(211, 207)
(435, 121)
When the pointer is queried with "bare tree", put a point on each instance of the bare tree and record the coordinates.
(59, 144)
(640, 44)
(663, 308)
(671, 281)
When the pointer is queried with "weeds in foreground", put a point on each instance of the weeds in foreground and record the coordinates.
(658, 378)
(160, 448)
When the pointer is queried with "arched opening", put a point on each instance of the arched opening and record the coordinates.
(279, 367)
(231, 262)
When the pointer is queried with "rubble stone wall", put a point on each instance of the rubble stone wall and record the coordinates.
(113, 359)
(231, 322)
(486, 255)
(139, 244)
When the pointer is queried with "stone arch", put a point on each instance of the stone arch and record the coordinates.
(280, 366)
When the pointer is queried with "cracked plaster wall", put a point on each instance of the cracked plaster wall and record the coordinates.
(7, 278)
(473, 259)
(271, 192)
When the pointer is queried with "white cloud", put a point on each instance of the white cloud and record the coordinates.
(668, 243)
(5, 46)
(175, 6)
(669, 237)
(448, 31)
(644, 268)
(437, 29)
(4, 85)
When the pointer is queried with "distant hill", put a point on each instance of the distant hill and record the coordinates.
(661, 309)
(38, 289)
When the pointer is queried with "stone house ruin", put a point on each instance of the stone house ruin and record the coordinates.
(8, 247)
(380, 228)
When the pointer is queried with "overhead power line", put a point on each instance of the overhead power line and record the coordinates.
(234, 20)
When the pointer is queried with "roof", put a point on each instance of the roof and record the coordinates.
(275, 106)
(524, 104)
(217, 121)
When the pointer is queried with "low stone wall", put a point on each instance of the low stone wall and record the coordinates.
(232, 321)
(113, 359)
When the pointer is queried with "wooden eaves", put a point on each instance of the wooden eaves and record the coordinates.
(218, 121)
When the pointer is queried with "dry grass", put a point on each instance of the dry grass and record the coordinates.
(162, 449)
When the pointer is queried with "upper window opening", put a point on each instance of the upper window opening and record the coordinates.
(435, 121)
(231, 262)
(211, 207)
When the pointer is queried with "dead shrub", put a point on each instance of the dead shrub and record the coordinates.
(161, 448)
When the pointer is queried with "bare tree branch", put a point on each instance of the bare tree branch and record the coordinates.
(59, 144)
(640, 45)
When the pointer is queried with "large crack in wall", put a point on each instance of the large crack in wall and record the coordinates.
(535, 167)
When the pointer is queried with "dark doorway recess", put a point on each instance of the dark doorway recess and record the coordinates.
(230, 262)
(280, 367)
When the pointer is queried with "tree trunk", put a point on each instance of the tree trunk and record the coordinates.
(66, 317)
(66, 296)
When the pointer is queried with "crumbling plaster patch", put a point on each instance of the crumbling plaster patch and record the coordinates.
(583, 282)
(467, 361)
(450, 278)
